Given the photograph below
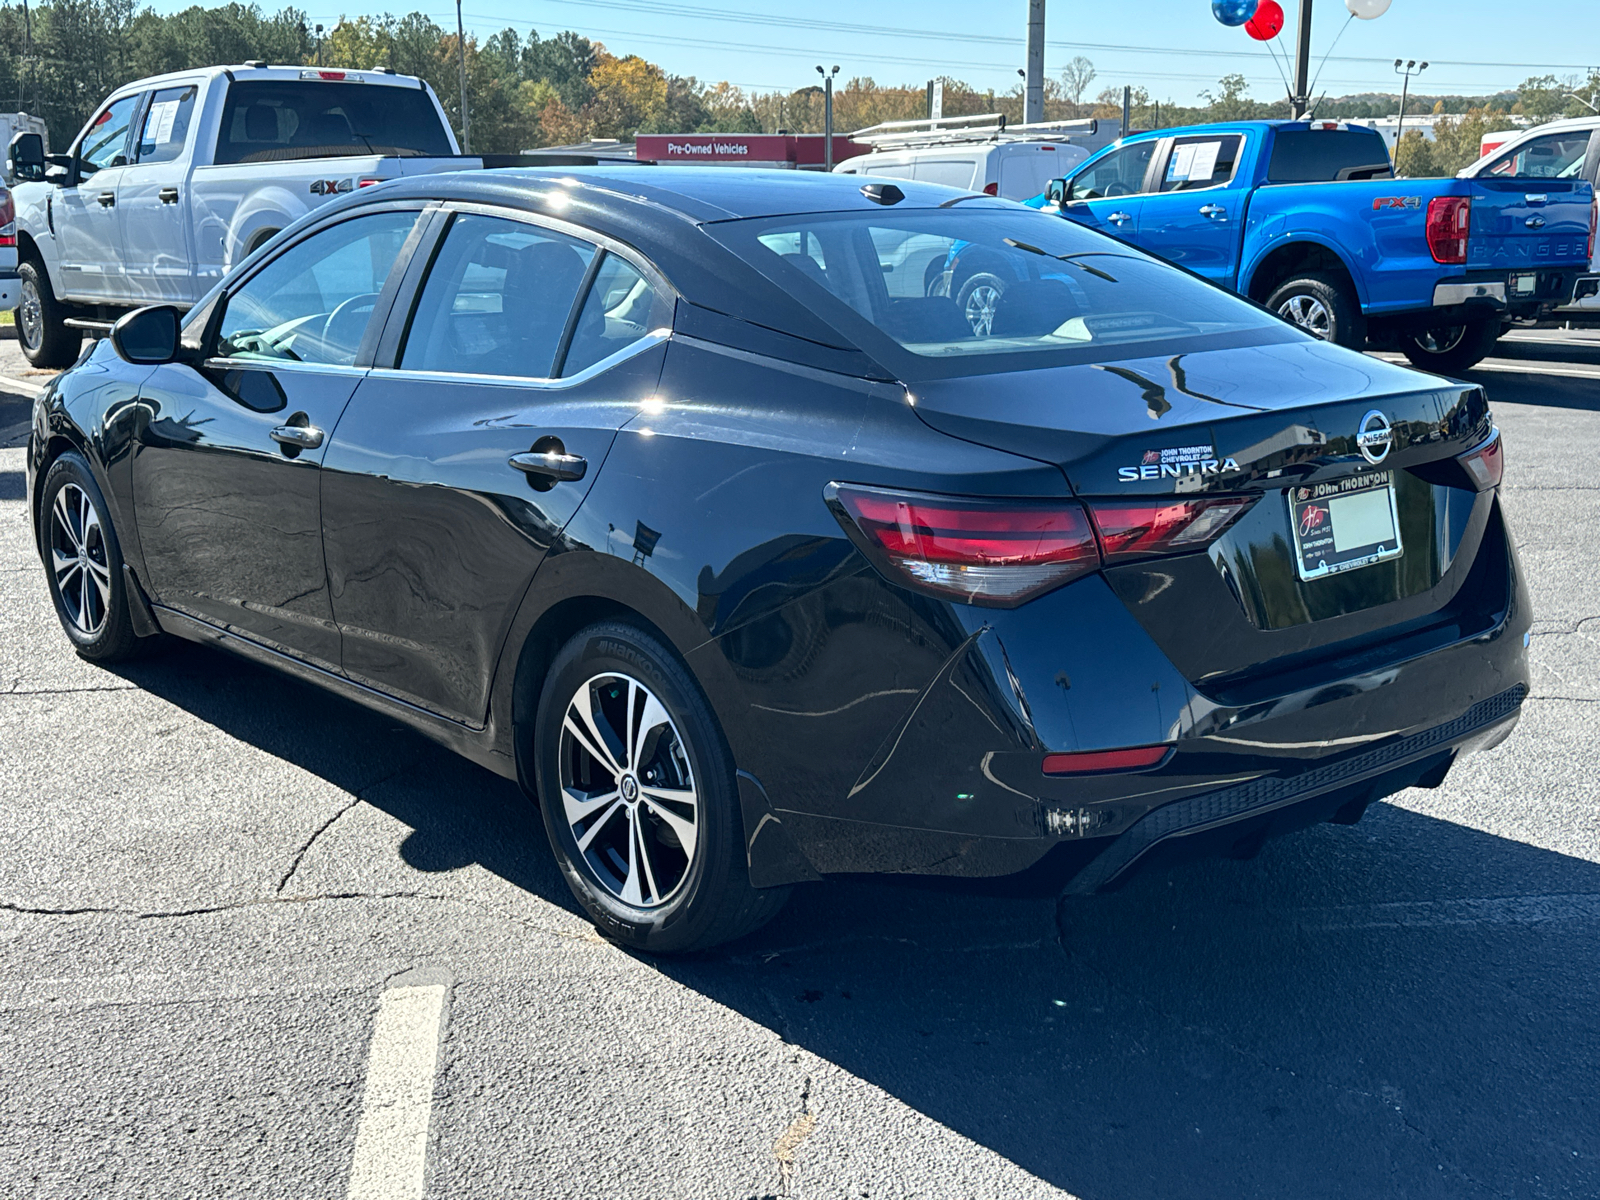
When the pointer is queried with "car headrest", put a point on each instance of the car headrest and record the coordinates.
(261, 123)
(1034, 308)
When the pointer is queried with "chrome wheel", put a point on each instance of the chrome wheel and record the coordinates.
(1307, 312)
(79, 561)
(1442, 340)
(627, 791)
(981, 303)
(30, 316)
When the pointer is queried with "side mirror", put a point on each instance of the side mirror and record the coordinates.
(58, 168)
(25, 157)
(148, 336)
(1056, 192)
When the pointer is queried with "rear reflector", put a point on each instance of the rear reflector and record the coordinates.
(1133, 759)
(1140, 528)
(1449, 224)
(996, 553)
(1485, 464)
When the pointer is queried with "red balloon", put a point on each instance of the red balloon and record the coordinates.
(1267, 23)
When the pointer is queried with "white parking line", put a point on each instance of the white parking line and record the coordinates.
(391, 1152)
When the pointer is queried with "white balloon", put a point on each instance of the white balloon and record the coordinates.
(1368, 10)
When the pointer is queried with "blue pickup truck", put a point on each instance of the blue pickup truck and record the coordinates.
(1308, 219)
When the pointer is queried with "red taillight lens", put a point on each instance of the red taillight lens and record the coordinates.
(991, 189)
(1449, 223)
(8, 219)
(1486, 464)
(996, 553)
(1138, 528)
(1132, 759)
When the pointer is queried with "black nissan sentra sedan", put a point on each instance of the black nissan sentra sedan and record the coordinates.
(690, 500)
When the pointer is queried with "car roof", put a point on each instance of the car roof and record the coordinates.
(240, 73)
(1239, 127)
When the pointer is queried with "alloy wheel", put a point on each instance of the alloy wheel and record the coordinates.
(1309, 313)
(30, 316)
(981, 303)
(1442, 340)
(79, 560)
(627, 790)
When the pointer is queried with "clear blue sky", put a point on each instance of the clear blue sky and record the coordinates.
(1173, 47)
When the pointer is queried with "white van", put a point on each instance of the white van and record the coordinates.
(1015, 163)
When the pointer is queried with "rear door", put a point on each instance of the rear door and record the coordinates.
(1530, 207)
(86, 221)
(228, 464)
(464, 454)
(153, 201)
(1110, 191)
(1196, 219)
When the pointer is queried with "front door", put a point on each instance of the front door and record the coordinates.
(1197, 218)
(1108, 193)
(455, 470)
(86, 223)
(153, 202)
(227, 467)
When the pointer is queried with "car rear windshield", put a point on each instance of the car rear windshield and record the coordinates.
(1327, 156)
(989, 289)
(283, 119)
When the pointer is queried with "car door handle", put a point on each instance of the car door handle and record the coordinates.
(107, 199)
(553, 465)
(1117, 218)
(1213, 210)
(1534, 222)
(168, 195)
(302, 437)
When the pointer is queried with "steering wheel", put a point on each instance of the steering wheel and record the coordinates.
(345, 325)
(1118, 189)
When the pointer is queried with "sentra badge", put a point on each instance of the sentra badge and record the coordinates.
(1177, 462)
(1374, 437)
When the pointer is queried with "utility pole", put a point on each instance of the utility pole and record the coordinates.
(1033, 93)
(466, 117)
(1127, 110)
(827, 116)
(1302, 61)
(1405, 91)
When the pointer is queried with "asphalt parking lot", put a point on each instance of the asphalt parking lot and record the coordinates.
(260, 942)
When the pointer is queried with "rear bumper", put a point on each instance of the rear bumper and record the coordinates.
(10, 290)
(1479, 294)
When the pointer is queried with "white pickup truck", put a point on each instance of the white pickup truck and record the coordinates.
(178, 177)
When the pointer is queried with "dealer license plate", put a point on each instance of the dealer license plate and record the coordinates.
(1524, 283)
(1343, 525)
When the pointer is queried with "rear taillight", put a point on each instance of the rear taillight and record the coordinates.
(1486, 464)
(8, 219)
(330, 76)
(996, 553)
(1001, 553)
(1594, 224)
(1449, 223)
(1088, 762)
(1142, 528)
(991, 189)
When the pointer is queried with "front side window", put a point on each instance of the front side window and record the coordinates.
(497, 300)
(314, 301)
(105, 142)
(968, 290)
(1200, 162)
(1553, 156)
(1120, 173)
(165, 128)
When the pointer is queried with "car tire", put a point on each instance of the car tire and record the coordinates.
(42, 331)
(83, 565)
(1453, 348)
(978, 297)
(646, 828)
(1323, 306)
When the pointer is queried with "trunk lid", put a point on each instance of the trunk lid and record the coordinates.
(1279, 423)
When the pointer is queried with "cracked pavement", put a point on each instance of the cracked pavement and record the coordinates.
(209, 874)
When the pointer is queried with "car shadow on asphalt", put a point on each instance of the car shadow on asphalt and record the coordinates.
(1403, 1007)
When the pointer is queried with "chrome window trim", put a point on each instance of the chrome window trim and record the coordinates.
(649, 341)
(220, 363)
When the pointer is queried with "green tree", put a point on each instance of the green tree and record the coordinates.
(1414, 157)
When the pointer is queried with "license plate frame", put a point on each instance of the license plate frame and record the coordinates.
(1363, 505)
(1522, 285)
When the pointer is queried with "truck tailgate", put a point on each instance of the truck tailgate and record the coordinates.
(1527, 223)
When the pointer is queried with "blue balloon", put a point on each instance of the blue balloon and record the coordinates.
(1233, 12)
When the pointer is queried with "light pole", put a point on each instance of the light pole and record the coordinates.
(466, 117)
(319, 45)
(827, 115)
(1408, 70)
(1302, 61)
(1033, 93)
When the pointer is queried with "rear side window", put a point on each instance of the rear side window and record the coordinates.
(497, 300)
(1553, 156)
(283, 119)
(1327, 156)
(956, 173)
(166, 124)
(616, 313)
(1201, 162)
